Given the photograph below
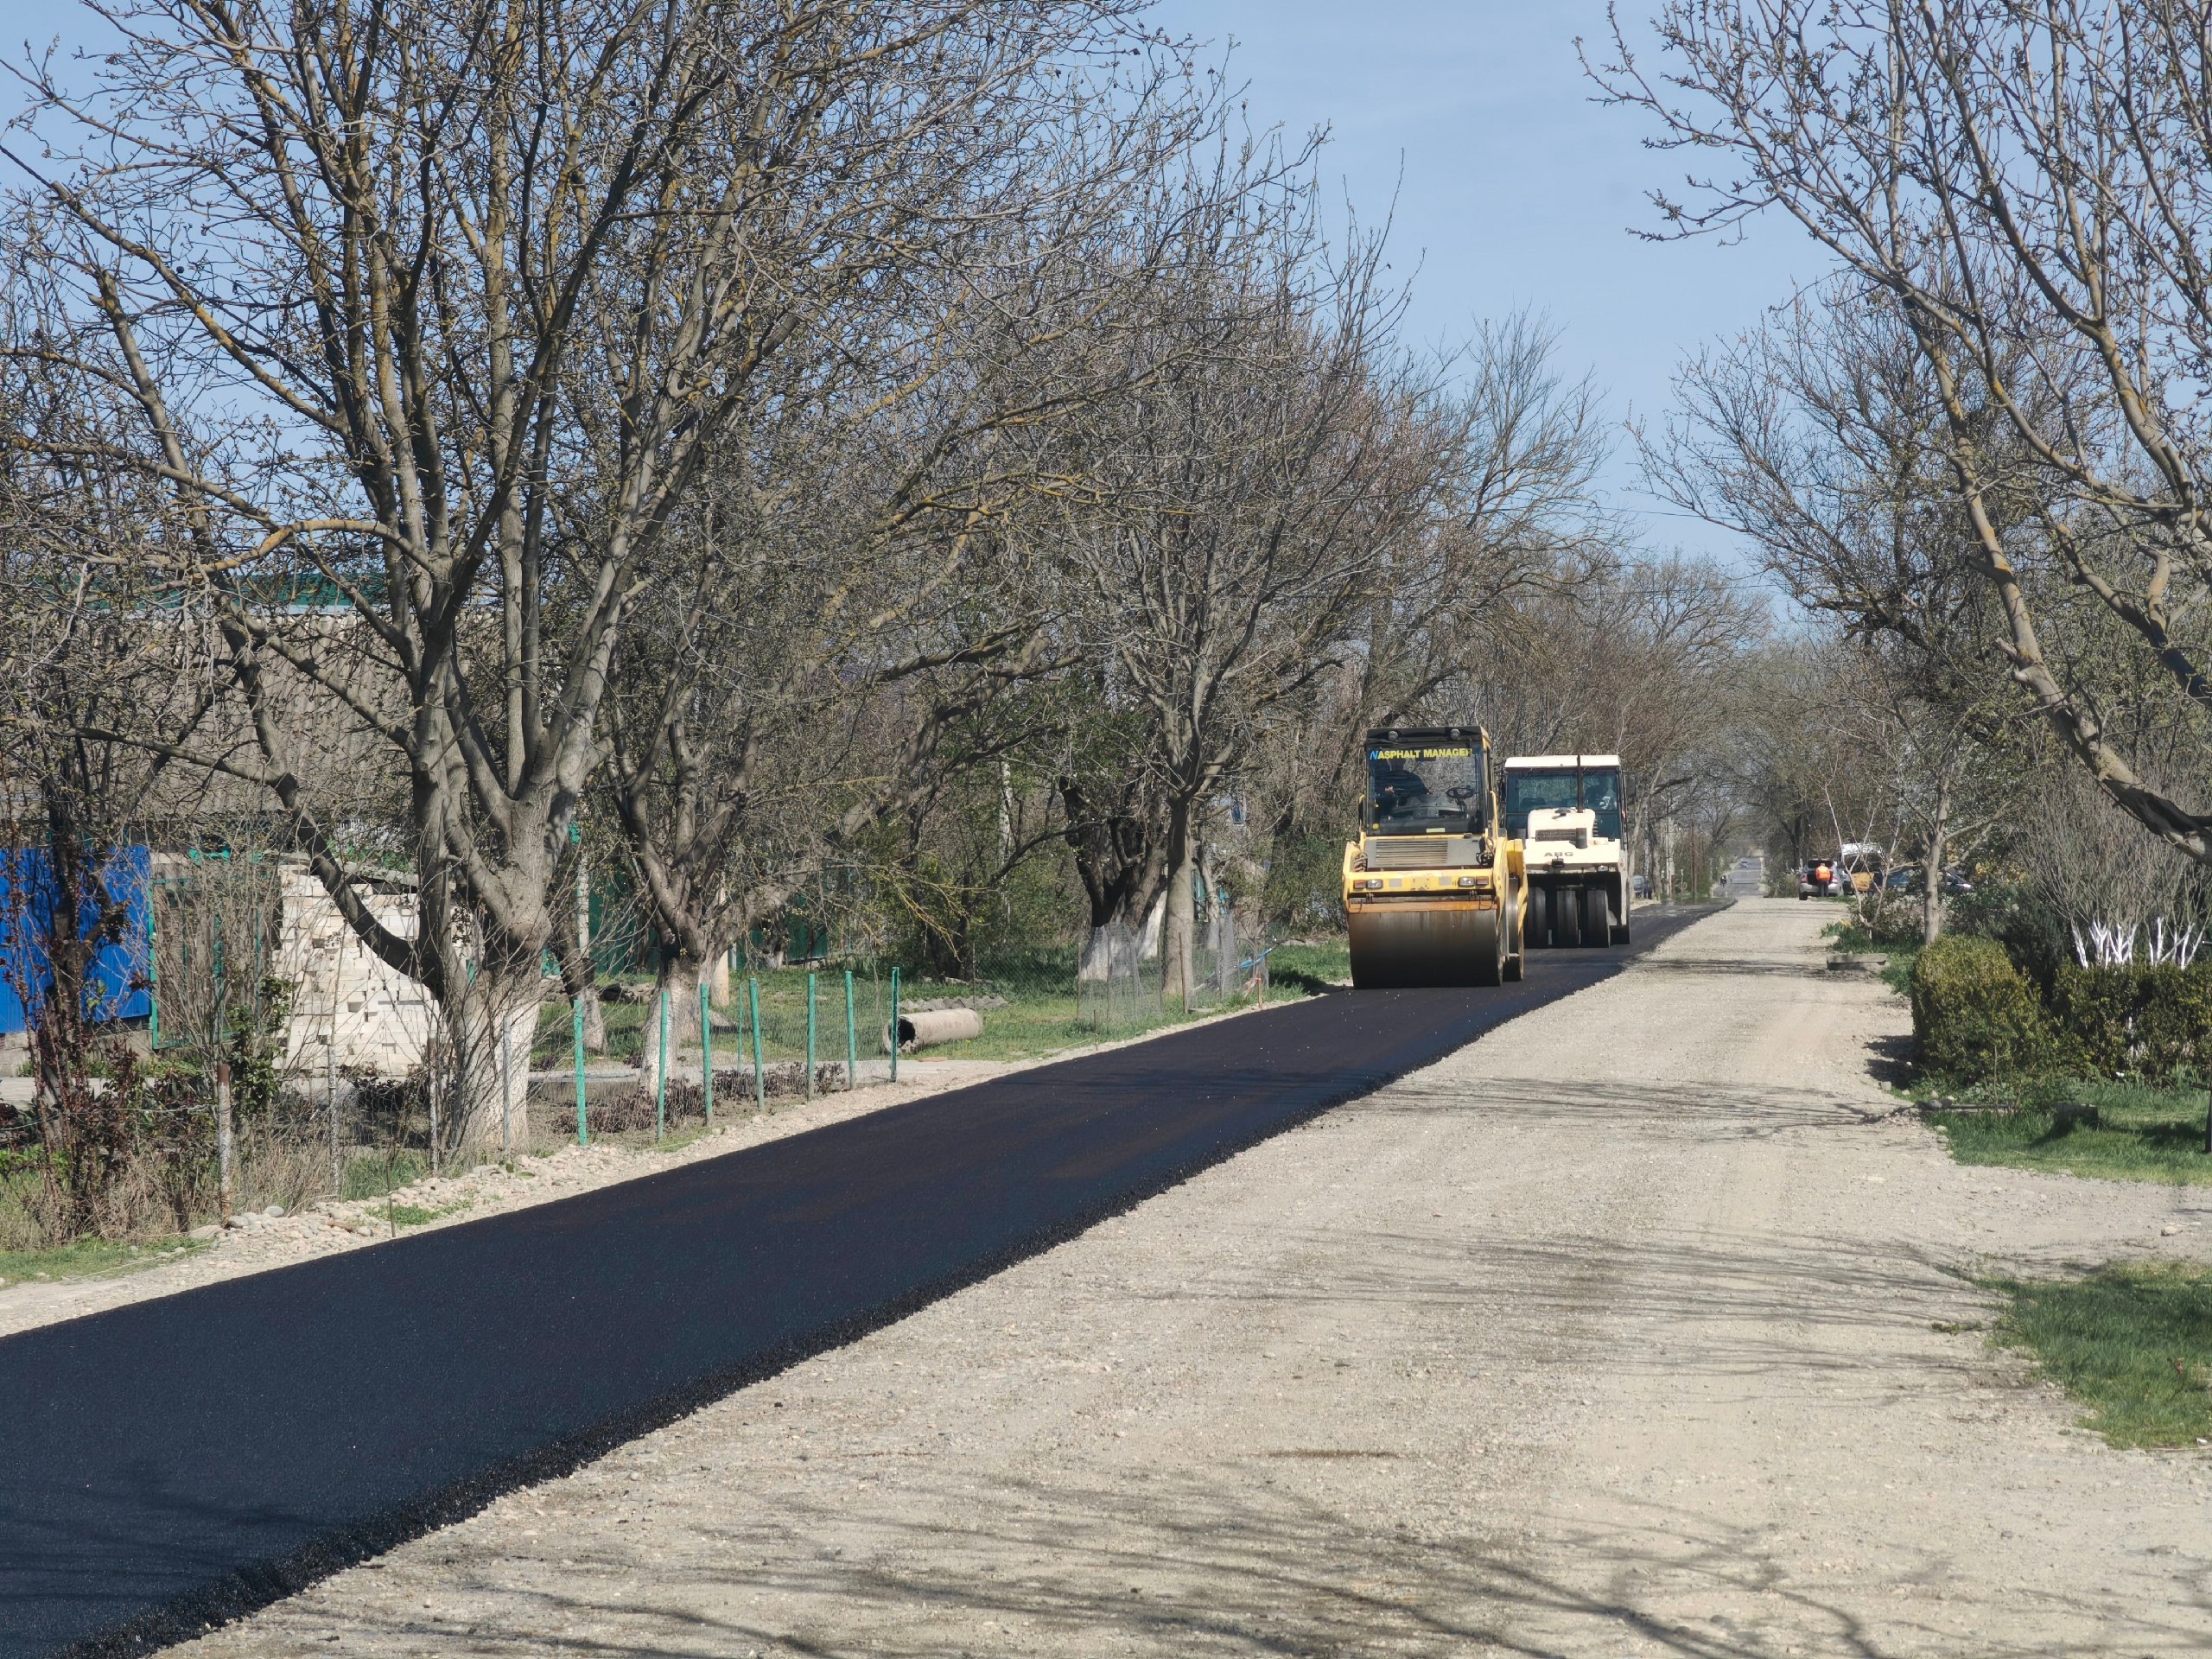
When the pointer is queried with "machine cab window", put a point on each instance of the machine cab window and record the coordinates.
(1597, 788)
(1415, 788)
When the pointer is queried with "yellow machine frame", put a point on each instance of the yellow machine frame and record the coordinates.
(1435, 908)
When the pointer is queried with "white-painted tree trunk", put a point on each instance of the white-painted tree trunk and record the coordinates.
(1148, 940)
(1176, 937)
(1096, 963)
(680, 980)
(491, 1100)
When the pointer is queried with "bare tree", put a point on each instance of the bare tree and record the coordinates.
(1114, 827)
(1511, 450)
(2120, 895)
(861, 584)
(436, 313)
(1820, 439)
(1247, 498)
(2021, 181)
(73, 649)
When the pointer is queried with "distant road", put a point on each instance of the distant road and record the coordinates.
(181, 1460)
(1748, 880)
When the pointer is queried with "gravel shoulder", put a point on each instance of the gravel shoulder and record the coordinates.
(1614, 1333)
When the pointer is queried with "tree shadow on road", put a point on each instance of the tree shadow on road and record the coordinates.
(1694, 1111)
(1689, 967)
(1231, 1558)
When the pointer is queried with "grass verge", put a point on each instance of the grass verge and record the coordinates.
(1041, 1016)
(414, 1214)
(91, 1258)
(373, 1175)
(2132, 1342)
(2136, 1134)
(1850, 939)
(1036, 1023)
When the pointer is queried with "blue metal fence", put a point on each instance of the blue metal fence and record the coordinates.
(120, 986)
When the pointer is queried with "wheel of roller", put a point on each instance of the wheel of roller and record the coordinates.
(1539, 932)
(1597, 919)
(1490, 948)
(1566, 918)
(1395, 945)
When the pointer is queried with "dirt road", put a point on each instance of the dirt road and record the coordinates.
(1613, 1333)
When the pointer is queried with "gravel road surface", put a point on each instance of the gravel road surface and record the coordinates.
(195, 1455)
(1611, 1333)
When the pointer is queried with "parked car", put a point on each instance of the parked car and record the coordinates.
(1817, 878)
(1908, 879)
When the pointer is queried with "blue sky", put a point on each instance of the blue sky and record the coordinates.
(1513, 190)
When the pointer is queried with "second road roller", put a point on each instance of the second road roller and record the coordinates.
(1433, 886)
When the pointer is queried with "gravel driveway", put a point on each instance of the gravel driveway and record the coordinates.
(1613, 1333)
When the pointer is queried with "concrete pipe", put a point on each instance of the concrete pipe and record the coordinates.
(936, 1026)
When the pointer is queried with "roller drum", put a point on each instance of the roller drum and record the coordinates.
(1396, 946)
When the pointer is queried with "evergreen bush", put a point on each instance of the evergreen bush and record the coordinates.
(2148, 1025)
(1974, 1016)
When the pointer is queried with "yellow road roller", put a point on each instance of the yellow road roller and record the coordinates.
(1433, 886)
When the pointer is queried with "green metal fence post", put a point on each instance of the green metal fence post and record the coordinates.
(852, 1037)
(153, 971)
(660, 1087)
(707, 1051)
(583, 1128)
(759, 1082)
(893, 1032)
(810, 1035)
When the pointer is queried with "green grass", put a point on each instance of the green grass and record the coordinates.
(92, 1258)
(1311, 968)
(414, 1214)
(1849, 938)
(375, 1174)
(1034, 1025)
(2142, 1135)
(2132, 1342)
(1041, 1017)
(1043, 1021)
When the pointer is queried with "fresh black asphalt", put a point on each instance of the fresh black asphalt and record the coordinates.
(182, 1460)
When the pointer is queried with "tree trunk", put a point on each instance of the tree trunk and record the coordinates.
(594, 1021)
(1931, 897)
(1096, 965)
(490, 1096)
(679, 978)
(1180, 922)
(1149, 935)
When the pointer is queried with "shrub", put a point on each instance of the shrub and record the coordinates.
(2011, 912)
(1888, 920)
(1974, 1016)
(2149, 1025)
